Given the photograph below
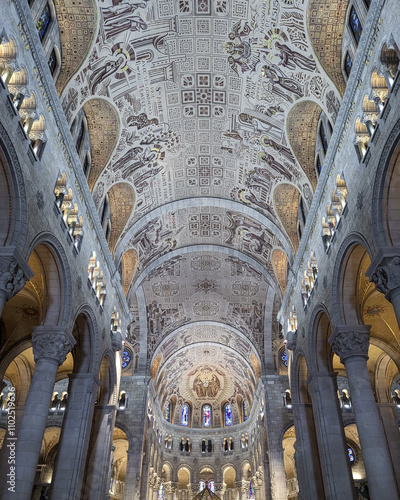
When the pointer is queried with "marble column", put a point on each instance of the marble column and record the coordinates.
(307, 459)
(50, 348)
(98, 462)
(388, 413)
(14, 273)
(75, 435)
(351, 345)
(384, 271)
(335, 466)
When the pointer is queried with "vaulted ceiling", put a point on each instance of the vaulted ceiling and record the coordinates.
(203, 116)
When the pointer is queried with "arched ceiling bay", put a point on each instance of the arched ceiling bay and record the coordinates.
(202, 91)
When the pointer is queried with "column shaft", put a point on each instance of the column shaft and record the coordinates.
(277, 474)
(307, 461)
(74, 440)
(377, 460)
(388, 412)
(335, 467)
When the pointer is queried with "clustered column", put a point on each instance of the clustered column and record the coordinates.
(351, 345)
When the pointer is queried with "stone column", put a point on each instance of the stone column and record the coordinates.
(50, 348)
(277, 474)
(75, 436)
(335, 467)
(384, 271)
(98, 463)
(132, 478)
(388, 412)
(170, 489)
(219, 490)
(14, 273)
(307, 461)
(351, 345)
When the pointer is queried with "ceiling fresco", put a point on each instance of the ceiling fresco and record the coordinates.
(202, 116)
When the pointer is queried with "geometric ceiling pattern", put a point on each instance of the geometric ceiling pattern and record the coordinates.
(193, 99)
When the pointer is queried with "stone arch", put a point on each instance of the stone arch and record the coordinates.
(184, 478)
(128, 266)
(286, 203)
(299, 375)
(85, 332)
(325, 24)
(77, 24)
(122, 201)
(320, 358)
(345, 285)
(108, 377)
(386, 200)
(104, 128)
(57, 281)
(13, 206)
(280, 263)
(302, 122)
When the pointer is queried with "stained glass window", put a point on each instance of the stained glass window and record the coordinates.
(161, 493)
(319, 166)
(348, 63)
(211, 486)
(43, 22)
(185, 415)
(245, 414)
(351, 455)
(228, 414)
(202, 485)
(52, 61)
(168, 412)
(206, 416)
(324, 140)
(126, 358)
(284, 357)
(80, 136)
(355, 24)
(251, 491)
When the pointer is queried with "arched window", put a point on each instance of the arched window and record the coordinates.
(348, 63)
(206, 416)
(43, 21)
(168, 412)
(319, 166)
(251, 491)
(351, 455)
(302, 210)
(284, 357)
(126, 358)
(355, 24)
(80, 136)
(228, 414)
(245, 414)
(185, 415)
(52, 61)
(323, 137)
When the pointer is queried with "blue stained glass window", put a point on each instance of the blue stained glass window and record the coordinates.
(351, 455)
(324, 140)
(126, 358)
(185, 415)
(206, 416)
(319, 166)
(52, 61)
(348, 63)
(43, 22)
(284, 357)
(355, 24)
(161, 493)
(251, 491)
(168, 412)
(245, 414)
(228, 414)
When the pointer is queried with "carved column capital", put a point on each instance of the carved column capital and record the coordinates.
(170, 487)
(51, 343)
(384, 270)
(14, 271)
(348, 341)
